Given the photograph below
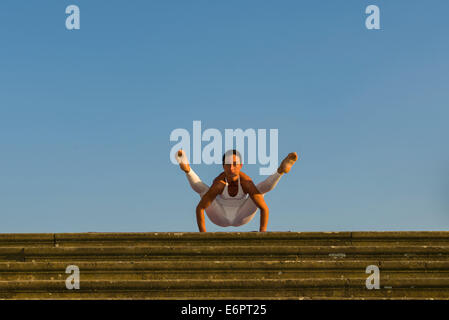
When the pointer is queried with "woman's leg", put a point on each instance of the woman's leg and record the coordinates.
(245, 213)
(269, 183)
(195, 182)
(217, 214)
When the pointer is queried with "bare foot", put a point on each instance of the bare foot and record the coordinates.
(183, 162)
(287, 163)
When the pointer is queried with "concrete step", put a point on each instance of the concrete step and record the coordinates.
(360, 238)
(160, 270)
(329, 288)
(234, 265)
(204, 252)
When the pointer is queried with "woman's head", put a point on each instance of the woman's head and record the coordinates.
(232, 163)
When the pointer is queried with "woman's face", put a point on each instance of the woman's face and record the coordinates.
(232, 168)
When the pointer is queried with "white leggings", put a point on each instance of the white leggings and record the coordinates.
(240, 212)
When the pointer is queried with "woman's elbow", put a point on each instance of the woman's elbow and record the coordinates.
(264, 209)
(201, 206)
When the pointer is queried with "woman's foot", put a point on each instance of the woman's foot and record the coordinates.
(183, 162)
(287, 163)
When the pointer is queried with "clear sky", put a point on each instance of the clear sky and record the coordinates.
(86, 115)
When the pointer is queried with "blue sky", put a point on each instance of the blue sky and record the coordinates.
(86, 115)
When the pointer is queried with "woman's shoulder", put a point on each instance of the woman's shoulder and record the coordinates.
(244, 177)
(220, 178)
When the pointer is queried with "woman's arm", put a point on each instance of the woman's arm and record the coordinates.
(216, 188)
(249, 187)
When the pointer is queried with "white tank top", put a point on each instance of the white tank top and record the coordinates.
(226, 199)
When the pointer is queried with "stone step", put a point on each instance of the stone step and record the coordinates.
(226, 238)
(225, 265)
(204, 252)
(218, 264)
(227, 289)
(155, 270)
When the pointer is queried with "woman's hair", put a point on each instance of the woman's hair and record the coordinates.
(231, 152)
